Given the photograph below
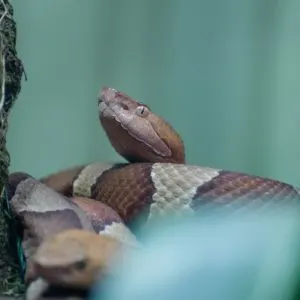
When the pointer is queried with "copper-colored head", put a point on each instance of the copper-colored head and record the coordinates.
(74, 257)
(136, 132)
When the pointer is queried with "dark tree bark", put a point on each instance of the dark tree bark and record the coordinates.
(11, 72)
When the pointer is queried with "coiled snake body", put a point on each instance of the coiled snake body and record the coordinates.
(155, 182)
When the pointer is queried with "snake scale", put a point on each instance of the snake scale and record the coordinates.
(110, 198)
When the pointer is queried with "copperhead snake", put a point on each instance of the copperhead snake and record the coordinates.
(114, 199)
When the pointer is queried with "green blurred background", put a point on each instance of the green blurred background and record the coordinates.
(224, 73)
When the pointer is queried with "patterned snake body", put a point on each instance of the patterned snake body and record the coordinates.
(157, 180)
(106, 198)
(149, 190)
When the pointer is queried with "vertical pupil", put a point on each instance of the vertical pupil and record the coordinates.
(142, 110)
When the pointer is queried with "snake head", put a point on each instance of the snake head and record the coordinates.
(135, 132)
(74, 257)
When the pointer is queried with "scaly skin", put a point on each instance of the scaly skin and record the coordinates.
(135, 132)
(156, 181)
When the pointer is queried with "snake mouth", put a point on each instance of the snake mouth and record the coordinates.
(105, 100)
(105, 111)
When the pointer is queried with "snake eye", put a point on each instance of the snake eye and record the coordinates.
(142, 111)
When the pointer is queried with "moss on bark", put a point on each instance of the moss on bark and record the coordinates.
(11, 71)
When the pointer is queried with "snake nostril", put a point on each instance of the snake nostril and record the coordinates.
(99, 99)
(124, 106)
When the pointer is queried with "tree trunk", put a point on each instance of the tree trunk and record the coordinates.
(11, 71)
